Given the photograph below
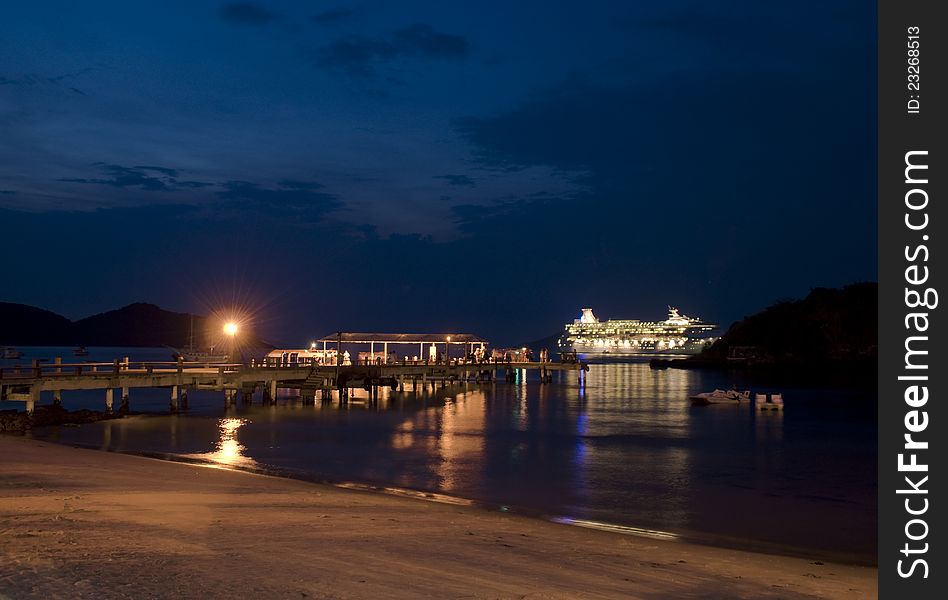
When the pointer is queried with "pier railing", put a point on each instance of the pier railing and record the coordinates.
(28, 383)
(52, 369)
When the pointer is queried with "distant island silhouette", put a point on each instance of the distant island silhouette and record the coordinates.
(829, 329)
(139, 324)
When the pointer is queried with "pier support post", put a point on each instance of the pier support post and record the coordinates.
(109, 393)
(272, 386)
(58, 394)
(174, 399)
(34, 398)
(123, 407)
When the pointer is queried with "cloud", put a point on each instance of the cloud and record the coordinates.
(462, 180)
(289, 198)
(246, 13)
(163, 170)
(360, 56)
(334, 16)
(41, 80)
(300, 185)
(153, 179)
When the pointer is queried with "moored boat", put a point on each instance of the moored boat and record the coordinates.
(11, 353)
(720, 397)
(198, 355)
(80, 351)
(775, 402)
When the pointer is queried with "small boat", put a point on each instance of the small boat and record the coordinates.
(720, 397)
(80, 351)
(11, 352)
(775, 402)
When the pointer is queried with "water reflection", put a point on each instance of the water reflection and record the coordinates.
(229, 451)
(620, 444)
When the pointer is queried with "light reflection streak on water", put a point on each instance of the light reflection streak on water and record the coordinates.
(637, 531)
(229, 451)
(457, 446)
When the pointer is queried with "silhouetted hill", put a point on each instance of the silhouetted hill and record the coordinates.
(827, 325)
(138, 324)
(828, 328)
(27, 325)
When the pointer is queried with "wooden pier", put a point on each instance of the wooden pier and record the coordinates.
(27, 383)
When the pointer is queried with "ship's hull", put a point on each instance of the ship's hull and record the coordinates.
(621, 351)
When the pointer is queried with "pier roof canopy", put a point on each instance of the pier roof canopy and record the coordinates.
(403, 338)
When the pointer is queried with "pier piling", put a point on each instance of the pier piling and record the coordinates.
(33, 399)
(272, 388)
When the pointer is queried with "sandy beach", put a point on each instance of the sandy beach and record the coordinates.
(78, 523)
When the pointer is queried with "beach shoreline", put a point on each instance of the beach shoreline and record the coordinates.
(431, 495)
(84, 523)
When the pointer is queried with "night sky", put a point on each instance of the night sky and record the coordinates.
(488, 167)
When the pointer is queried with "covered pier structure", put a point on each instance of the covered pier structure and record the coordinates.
(406, 348)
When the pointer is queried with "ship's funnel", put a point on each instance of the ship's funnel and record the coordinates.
(588, 316)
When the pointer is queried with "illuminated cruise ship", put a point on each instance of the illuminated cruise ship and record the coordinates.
(678, 334)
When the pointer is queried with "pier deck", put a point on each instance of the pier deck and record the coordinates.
(26, 383)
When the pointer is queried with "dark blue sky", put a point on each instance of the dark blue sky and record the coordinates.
(487, 167)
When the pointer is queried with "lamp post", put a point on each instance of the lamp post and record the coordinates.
(447, 341)
(230, 330)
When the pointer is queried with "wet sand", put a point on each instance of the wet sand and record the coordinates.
(80, 523)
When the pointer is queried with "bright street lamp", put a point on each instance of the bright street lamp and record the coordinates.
(230, 329)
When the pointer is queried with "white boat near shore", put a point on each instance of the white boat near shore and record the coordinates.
(720, 397)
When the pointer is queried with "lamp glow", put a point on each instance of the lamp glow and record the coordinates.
(230, 328)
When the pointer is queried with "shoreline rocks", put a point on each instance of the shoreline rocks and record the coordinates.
(44, 416)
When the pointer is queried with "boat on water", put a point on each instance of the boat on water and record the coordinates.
(774, 402)
(720, 397)
(12, 353)
(80, 351)
(199, 355)
(677, 334)
(202, 356)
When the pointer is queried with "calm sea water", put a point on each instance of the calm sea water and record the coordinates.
(622, 447)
